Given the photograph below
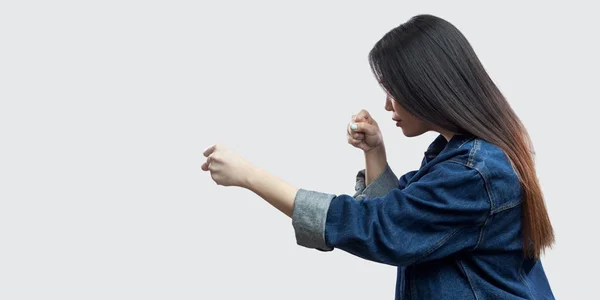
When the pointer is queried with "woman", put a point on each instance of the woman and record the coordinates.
(471, 223)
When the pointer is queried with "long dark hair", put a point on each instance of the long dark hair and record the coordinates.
(428, 67)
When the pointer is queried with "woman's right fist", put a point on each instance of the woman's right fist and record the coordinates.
(363, 132)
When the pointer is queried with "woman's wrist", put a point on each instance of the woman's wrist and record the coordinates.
(376, 162)
(272, 189)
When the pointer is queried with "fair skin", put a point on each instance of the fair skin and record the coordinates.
(228, 168)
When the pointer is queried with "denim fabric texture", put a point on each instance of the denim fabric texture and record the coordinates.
(452, 228)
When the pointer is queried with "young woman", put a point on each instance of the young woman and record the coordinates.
(471, 223)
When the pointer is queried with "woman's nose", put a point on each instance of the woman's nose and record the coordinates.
(388, 105)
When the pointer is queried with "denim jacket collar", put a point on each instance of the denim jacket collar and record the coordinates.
(440, 144)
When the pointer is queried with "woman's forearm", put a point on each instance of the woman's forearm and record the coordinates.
(281, 194)
(273, 189)
(376, 162)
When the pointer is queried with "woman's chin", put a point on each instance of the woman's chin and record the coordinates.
(411, 133)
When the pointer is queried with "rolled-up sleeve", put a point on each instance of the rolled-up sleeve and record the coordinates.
(438, 215)
(309, 217)
(382, 185)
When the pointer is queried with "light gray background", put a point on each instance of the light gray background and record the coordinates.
(106, 107)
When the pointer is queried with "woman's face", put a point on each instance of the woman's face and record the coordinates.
(410, 124)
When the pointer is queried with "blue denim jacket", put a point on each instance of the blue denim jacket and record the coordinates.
(452, 228)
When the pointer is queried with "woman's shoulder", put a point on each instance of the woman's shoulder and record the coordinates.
(491, 162)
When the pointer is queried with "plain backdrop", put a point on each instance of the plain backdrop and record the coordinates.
(106, 107)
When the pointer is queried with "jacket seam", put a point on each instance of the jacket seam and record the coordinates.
(472, 154)
(468, 278)
(454, 160)
(412, 286)
(522, 273)
(439, 244)
(481, 232)
(488, 189)
(485, 182)
(506, 206)
(465, 142)
(452, 233)
(490, 201)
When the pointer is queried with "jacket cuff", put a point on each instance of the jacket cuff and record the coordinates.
(381, 186)
(309, 217)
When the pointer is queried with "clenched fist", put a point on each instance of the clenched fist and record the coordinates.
(226, 167)
(363, 132)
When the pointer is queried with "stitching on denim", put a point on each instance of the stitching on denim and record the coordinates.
(412, 286)
(472, 154)
(439, 244)
(481, 232)
(456, 160)
(447, 237)
(506, 206)
(488, 189)
(468, 140)
(468, 279)
(490, 199)
(485, 182)
(522, 273)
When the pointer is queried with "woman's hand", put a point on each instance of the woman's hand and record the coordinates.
(229, 169)
(363, 132)
(226, 167)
